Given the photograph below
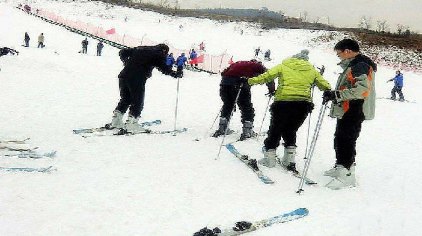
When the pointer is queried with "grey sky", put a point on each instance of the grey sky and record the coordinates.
(338, 12)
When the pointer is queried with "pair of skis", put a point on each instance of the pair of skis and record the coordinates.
(106, 131)
(17, 148)
(243, 227)
(252, 164)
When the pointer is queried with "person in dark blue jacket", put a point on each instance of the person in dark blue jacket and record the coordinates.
(398, 85)
(180, 63)
(170, 60)
(193, 55)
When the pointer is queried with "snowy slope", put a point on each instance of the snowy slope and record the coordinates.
(165, 185)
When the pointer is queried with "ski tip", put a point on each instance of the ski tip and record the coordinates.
(301, 211)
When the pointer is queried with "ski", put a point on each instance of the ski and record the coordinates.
(18, 141)
(29, 154)
(251, 163)
(16, 147)
(296, 174)
(243, 227)
(104, 128)
(148, 131)
(28, 169)
(397, 100)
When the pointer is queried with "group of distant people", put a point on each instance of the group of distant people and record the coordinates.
(267, 54)
(40, 40)
(181, 60)
(85, 43)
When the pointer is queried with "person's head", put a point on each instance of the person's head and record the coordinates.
(397, 72)
(347, 48)
(183, 54)
(171, 54)
(303, 55)
(163, 47)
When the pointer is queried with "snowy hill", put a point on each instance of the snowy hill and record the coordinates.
(172, 185)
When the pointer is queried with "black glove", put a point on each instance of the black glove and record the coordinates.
(271, 89)
(243, 80)
(328, 95)
(322, 69)
(174, 74)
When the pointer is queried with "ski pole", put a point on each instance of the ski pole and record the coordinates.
(215, 119)
(311, 148)
(177, 102)
(309, 124)
(228, 122)
(263, 118)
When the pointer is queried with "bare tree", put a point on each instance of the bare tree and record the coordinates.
(365, 23)
(400, 28)
(382, 26)
(304, 16)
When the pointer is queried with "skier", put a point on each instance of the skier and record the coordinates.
(398, 85)
(292, 103)
(5, 50)
(231, 80)
(138, 65)
(85, 46)
(26, 39)
(193, 55)
(353, 102)
(267, 55)
(170, 61)
(41, 40)
(257, 51)
(100, 47)
(181, 63)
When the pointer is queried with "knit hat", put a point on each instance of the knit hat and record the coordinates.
(302, 55)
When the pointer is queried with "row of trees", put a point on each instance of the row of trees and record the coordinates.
(382, 26)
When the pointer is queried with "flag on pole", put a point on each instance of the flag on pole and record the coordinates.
(111, 31)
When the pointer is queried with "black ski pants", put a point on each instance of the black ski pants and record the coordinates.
(347, 132)
(228, 95)
(132, 95)
(286, 118)
(397, 89)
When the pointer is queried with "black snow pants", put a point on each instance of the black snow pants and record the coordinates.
(347, 132)
(286, 118)
(132, 95)
(228, 95)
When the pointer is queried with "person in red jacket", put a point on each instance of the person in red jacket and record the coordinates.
(232, 79)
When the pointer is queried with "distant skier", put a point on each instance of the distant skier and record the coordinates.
(398, 85)
(181, 63)
(267, 55)
(138, 65)
(41, 41)
(100, 47)
(353, 102)
(193, 55)
(170, 61)
(5, 50)
(85, 46)
(292, 104)
(26, 39)
(257, 51)
(231, 82)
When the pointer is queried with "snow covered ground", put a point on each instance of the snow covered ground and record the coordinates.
(172, 185)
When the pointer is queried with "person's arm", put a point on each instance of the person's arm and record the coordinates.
(361, 86)
(267, 77)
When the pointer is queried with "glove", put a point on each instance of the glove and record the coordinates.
(322, 69)
(271, 89)
(174, 74)
(243, 80)
(328, 95)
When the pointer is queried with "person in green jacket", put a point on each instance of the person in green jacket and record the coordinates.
(353, 102)
(292, 103)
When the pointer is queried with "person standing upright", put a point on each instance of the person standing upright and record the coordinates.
(26, 39)
(353, 102)
(100, 47)
(398, 86)
(85, 46)
(41, 40)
